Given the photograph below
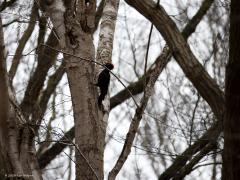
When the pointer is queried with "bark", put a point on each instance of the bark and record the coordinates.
(4, 105)
(105, 47)
(231, 154)
(4, 108)
(79, 43)
(89, 137)
(21, 149)
(88, 133)
(107, 29)
(53, 81)
(57, 76)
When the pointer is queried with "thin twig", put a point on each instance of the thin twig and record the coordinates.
(146, 58)
(148, 47)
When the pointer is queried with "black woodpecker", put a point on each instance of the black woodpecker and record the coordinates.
(103, 82)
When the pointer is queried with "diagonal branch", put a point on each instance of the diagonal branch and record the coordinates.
(138, 116)
(137, 87)
(209, 136)
(52, 84)
(45, 158)
(194, 71)
(189, 167)
(202, 81)
(46, 94)
(22, 42)
(45, 61)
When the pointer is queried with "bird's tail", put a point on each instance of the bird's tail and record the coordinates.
(100, 99)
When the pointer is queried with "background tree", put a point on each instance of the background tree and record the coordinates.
(231, 132)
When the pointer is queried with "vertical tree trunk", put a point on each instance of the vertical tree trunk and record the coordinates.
(231, 154)
(4, 105)
(74, 27)
(105, 47)
(89, 136)
(88, 133)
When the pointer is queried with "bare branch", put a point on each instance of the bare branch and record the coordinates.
(209, 136)
(138, 116)
(137, 87)
(45, 61)
(22, 43)
(189, 167)
(45, 158)
(52, 84)
(194, 71)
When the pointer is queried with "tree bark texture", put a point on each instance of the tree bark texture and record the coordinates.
(105, 47)
(231, 154)
(78, 42)
(4, 108)
(107, 29)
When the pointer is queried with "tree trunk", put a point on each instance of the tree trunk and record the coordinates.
(89, 136)
(74, 27)
(4, 106)
(231, 153)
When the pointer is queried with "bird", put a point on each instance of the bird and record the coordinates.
(103, 82)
